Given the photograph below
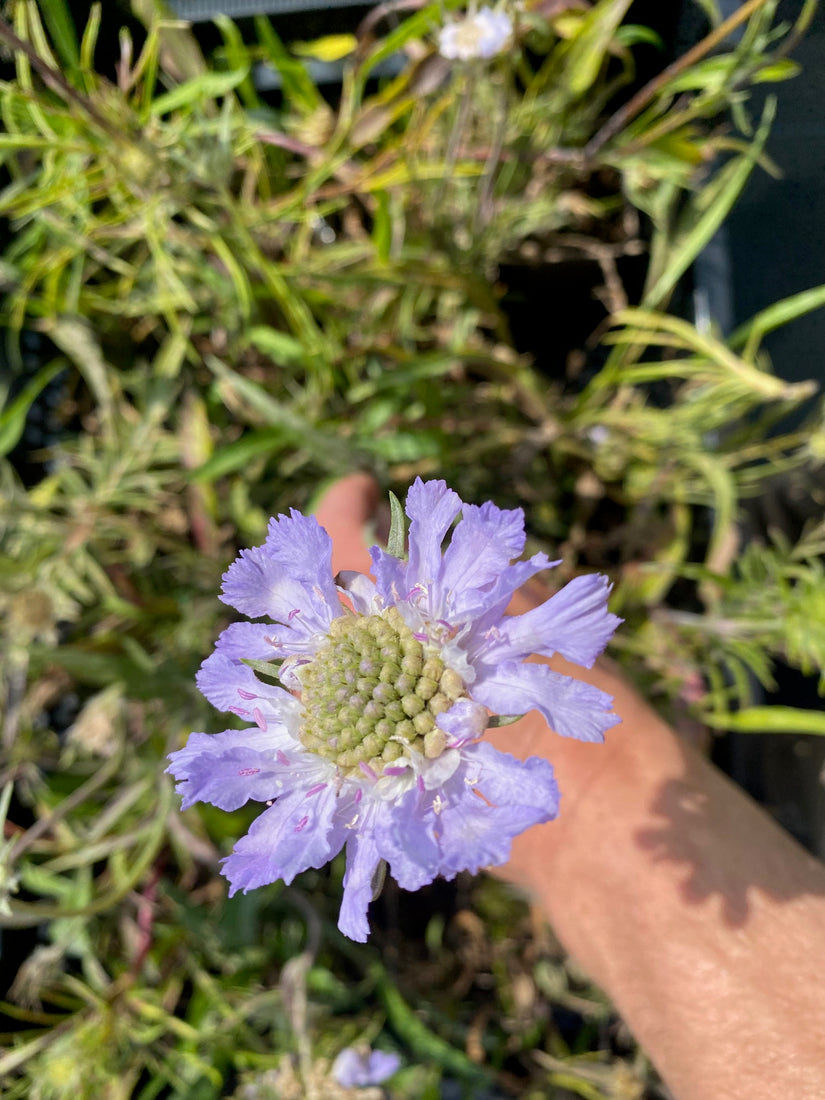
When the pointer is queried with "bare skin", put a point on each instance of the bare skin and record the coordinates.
(701, 919)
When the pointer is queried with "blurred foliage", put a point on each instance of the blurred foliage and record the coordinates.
(238, 295)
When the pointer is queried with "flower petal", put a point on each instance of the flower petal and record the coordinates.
(361, 591)
(464, 721)
(230, 685)
(483, 544)
(227, 769)
(297, 832)
(289, 578)
(491, 799)
(432, 507)
(570, 707)
(390, 575)
(247, 640)
(362, 861)
(489, 609)
(406, 840)
(357, 1069)
(574, 622)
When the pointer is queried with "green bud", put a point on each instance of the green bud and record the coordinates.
(423, 722)
(412, 705)
(435, 742)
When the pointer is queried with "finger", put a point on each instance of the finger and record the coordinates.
(346, 511)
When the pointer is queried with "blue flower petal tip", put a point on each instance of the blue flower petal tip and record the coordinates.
(354, 1068)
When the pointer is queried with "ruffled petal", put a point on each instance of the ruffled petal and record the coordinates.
(491, 799)
(362, 861)
(361, 590)
(570, 707)
(390, 575)
(483, 544)
(574, 622)
(228, 769)
(487, 611)
(464, 721)
(247, 640)
(304, 550)
(230, 685)
(405, 838)
(432, 507)
(289, 578)
(298, 832)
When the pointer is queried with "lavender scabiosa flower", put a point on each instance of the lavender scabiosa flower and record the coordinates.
(371, 740)
(356, 1068)
(481, 34)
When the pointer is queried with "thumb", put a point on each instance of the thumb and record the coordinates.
(346, 510)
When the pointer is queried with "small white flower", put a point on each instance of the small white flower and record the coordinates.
(482, 34)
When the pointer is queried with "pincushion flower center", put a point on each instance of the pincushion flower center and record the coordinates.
(372, 694)
(469, 38)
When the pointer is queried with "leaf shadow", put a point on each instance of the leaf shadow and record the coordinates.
(728, 846)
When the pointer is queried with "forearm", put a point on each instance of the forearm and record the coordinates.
(702, 919)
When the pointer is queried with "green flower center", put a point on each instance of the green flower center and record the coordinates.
(373, 692)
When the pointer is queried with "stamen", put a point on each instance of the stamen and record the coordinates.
(484, 798)
(249, 771)
(315, 790)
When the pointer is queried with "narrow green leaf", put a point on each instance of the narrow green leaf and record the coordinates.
(235, 456)
(171, 355)
(424, 1042)
(634, 34)
(237, 58)
(297, 84)
(89, 40)
(397, 541)
(328, 451)
(239, 278)
(269, 669)
(588, 50)
(76, 339)
(279, 346)
(779, 313)
(13, 418)
(783, 69)
(208, 86)
(382, 226)
(58, 19)
(770, 720)
(703, 218)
